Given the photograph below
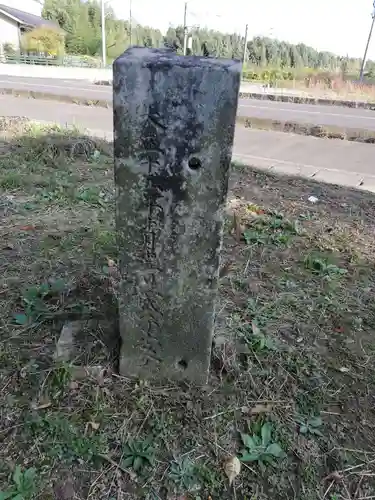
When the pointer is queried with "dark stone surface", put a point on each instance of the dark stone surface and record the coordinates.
(174, 123)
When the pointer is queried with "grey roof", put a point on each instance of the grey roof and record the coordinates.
(27, 19)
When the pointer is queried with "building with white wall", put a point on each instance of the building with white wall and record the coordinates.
(14, 21)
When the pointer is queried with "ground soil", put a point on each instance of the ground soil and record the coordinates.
(291, 383)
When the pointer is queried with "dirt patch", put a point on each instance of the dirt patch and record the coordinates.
(292, 366)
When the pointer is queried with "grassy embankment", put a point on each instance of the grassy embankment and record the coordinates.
(293, 362)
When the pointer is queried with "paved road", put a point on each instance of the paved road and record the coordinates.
(338, 162)
(301, 113)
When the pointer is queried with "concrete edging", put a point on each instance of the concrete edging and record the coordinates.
(294, 99)
(103, 76)
(308, 100)
(307, 129)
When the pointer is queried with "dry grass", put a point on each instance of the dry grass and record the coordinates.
(293, 346)
(334, 88)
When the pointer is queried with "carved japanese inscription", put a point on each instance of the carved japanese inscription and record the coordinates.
(173, 124)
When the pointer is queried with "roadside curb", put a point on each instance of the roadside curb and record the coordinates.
(307, 129)
(309, 100)
(31, 94)
(320, 101)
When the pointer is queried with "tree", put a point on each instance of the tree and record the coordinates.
(44, 40)
(81, 21)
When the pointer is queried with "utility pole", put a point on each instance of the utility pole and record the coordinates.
(367, 45)
(186, 29)
(245, 46)
(104, 44)
(130, 22)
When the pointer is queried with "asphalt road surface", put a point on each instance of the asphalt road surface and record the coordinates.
(300, 113)
(339, 162)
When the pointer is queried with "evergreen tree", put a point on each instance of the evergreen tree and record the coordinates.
(81, 21)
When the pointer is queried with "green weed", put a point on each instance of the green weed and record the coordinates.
(310, 425)
(24, 485)
(138, 454)
(35, 305)
(12, 180)
(61, 439)
(258, 342)
(183, 473)
(270, 230)
(91, 196)
(105, 243)
(53, 194)
(320, 266)
(260, 447)
(59, 380)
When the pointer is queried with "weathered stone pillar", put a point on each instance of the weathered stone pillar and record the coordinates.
(174, 123)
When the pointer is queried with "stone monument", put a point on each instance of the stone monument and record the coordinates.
(174, 120)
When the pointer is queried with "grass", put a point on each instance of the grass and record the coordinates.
(290, 389)
(327, 87)
(336, 88)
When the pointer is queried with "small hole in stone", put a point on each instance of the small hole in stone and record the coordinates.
(194, 163)
(182, 364)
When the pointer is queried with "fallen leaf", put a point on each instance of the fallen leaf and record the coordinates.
(41, 406)
(111, 262)
(94, 425)
(313, 199)
(27, 228)
(232, 468)
(339, 329)
(261, 408)
(253, 209)
(73, 385)
(344, 369)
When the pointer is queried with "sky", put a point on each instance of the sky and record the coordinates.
(339, 26)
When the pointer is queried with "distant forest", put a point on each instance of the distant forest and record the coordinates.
(81, 20)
